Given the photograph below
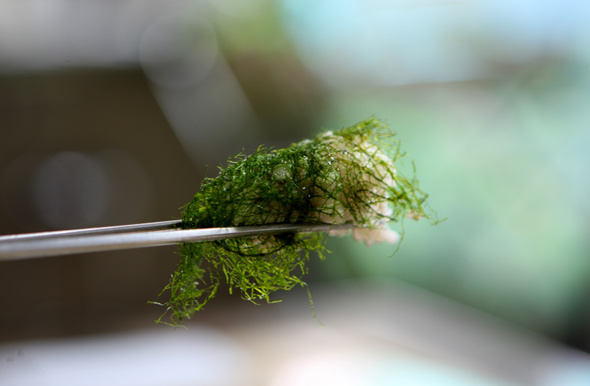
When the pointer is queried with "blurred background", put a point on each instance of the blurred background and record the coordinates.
(112, 112)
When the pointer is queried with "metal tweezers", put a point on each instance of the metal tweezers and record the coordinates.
(46, 244)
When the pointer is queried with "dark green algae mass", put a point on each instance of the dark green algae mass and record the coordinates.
(346, 176)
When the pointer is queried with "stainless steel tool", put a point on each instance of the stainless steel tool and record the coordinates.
(46, 244)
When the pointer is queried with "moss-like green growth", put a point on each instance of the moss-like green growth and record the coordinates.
(335, 178)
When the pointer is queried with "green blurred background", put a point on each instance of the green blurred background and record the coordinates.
(113, 112)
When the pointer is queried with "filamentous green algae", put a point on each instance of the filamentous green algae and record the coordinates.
(345, 176)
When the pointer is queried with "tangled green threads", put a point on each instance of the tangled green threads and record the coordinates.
(343, 177)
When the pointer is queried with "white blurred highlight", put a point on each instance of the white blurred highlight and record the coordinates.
(197, 357)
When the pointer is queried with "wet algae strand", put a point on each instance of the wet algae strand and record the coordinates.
(346, 176)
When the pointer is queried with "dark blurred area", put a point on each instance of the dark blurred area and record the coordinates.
(81, 149)
(113, 112)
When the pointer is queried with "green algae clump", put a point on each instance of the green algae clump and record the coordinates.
(346, 176)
